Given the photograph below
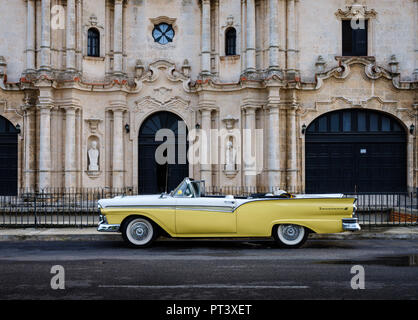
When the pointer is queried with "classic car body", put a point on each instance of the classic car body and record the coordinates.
(185, 212)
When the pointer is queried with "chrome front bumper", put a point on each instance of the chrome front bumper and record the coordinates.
(351, 224)
(105, 227)
(108, 227)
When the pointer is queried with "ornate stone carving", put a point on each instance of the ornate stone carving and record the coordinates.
(139, 69)
(148, 104)
(162, 94)
(229, 122)
(356, 11)
(167, 68)
(394, 64)
(230, 168)
(93, 154)
(93, 124)
(162, 19)
(320, 64)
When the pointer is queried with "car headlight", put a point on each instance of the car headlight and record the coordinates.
(102, 219)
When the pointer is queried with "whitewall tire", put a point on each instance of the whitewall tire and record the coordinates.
(138, 232)
(290, 235)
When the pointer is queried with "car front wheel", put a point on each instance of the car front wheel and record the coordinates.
(138, 232)
(290, 235)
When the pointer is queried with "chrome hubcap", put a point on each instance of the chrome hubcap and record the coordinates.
(139, 231)
(290, 232)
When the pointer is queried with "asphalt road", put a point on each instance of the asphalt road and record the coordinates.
(218, 270)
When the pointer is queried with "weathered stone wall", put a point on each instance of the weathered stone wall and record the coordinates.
(274, 83)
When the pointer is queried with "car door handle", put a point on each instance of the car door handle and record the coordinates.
(229, 202)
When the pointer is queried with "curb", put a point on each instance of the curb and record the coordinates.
(367, 236)
(16, 235)
(66, 237)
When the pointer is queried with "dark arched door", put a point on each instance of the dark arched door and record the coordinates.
(8, 157)
(156, 177)
(355, 150)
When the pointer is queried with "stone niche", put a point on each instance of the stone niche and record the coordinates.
(93, 157)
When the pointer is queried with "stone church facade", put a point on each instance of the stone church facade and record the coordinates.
(81, 82)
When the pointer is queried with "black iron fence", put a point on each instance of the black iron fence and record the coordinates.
(386, 209)
(55, 207)
(78, 207)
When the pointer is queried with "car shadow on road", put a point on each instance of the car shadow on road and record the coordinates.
(236, 244)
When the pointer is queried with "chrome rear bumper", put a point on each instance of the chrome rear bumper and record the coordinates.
(351, 224)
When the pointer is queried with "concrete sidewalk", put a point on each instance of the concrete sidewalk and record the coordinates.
(91, 234)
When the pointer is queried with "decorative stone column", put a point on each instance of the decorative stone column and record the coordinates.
(29, 146)
(273, 35)
(291, 37)
(79, 45)
(416, 42)
(249, 159)
(273, 146)
(70, 148)
(44, 179)
(30, 36)
(118, 38)
(46, 35)
(206, 38)
(250, 49)
(291, 149)
(70, 36)
(117, 155)
(205, 148)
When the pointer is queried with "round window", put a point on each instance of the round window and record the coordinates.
(163, 33)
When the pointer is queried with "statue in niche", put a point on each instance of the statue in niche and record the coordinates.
(93, 154)
(230, 156)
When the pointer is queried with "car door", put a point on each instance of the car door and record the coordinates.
(205, 216)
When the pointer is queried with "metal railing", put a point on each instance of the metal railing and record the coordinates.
(56, 207)
(386, 209)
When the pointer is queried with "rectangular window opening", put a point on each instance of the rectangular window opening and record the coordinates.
(354, 37)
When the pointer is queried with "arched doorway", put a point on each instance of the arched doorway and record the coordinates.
(8, 158)
(152, 176)
(355, 150)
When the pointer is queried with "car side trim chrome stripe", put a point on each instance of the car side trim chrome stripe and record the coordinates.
(182, 207)
(206, 208)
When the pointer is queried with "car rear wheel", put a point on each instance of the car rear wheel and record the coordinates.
(290, 235)
(138, 232)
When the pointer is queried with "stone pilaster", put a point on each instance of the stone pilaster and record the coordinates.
(292, 166)
(206, 38)
(250, 65)
(273, 35)
(215, 49)
(45, 35)
(44, 178)
(70, 147)
(29, 137)
(416, 41)
(291, 37)
(118, 150)
(79, 39)
(70, 36)
(249, 148)
(273, 145)
(205, 148)
(30, 36)
(118, 38)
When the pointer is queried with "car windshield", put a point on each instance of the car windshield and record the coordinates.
(184, 189)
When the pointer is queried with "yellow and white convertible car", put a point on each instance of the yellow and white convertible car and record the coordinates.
(186, 212)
